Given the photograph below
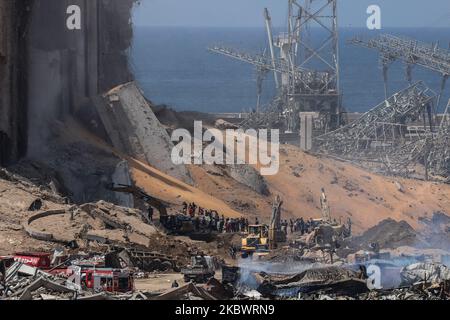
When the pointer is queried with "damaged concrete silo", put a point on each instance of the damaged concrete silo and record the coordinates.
(13, 113)
(57, 68)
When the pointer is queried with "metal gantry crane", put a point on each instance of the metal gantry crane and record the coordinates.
(278, 66)
(411, 52)
(306, 72)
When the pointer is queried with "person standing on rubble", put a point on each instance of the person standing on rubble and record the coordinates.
(222, 224)
(233, 251)
(311, 225)
(349, 223)
(197, 223)
(150, 213)
(302, 226)
(185, 208)
(286, 227)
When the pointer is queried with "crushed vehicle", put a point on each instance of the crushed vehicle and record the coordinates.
(200, 270)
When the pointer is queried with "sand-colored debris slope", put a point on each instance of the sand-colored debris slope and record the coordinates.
(175, 191)
(353, 193)
(364, 197)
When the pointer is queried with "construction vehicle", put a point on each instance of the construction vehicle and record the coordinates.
(276, 234)
(326, 211)
(200, 270)
(256, 242)
(327, 232)
(262, 238)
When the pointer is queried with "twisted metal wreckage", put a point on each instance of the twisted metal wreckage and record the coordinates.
(401, 134)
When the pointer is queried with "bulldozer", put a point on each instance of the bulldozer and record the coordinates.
(256, 242)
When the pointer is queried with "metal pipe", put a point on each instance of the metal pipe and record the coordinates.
(272, 50)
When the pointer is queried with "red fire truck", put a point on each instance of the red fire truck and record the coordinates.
(111, 280)
(93, 275)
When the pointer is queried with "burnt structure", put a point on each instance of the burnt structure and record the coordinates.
(49, 71)
(13, 121)
(385, 134)
(403, 133)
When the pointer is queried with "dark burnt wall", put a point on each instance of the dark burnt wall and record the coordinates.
(115, 40)
(52, 71)
(13, 113)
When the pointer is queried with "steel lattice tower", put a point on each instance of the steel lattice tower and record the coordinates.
(314, 45)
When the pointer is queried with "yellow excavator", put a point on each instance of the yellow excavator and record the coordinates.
(262, 238)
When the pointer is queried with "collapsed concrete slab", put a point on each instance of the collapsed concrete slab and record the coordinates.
(134, 129)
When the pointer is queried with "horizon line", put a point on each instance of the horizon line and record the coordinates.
(279, 27)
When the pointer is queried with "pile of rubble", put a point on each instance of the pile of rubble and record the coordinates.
(93, 277)
(419, 281)
(24, 282)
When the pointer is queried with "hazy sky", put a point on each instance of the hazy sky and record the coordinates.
(248, 13)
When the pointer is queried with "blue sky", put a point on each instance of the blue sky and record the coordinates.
(248, 13)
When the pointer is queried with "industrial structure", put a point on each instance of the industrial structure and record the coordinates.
(384, 135)
(411, 52)
(305, 68)
(403, 134)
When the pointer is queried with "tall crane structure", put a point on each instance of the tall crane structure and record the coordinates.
(313, 43)
(306, 70)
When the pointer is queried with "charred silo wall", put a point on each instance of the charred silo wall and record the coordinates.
(13, 64)
(48, 70)
(68, 67)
